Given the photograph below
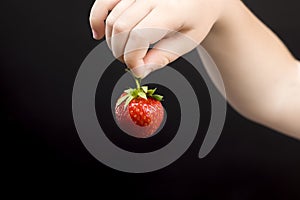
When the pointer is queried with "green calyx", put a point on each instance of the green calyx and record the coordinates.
(140, 91)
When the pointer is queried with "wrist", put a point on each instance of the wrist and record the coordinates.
(230, 22)
(230, 11)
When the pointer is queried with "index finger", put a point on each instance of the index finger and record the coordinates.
(98, 14)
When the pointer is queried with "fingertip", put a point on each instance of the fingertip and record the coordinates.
(139, 72)
(95, 35)
(98, 14)
(97, 31)
(145, 70)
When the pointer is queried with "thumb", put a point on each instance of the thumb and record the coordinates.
(164, 52)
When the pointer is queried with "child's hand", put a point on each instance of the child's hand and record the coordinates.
(260, 75)
(133, 18)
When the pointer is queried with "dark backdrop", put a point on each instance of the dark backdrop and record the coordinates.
(42, 46)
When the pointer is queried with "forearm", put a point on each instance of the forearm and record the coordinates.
(261, 77)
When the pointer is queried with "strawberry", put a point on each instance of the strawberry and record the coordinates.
(139, 111)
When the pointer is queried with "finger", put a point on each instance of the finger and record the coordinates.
(125, 23)
(113, 16)
(151, 29)
(98, 14)
(167, 50)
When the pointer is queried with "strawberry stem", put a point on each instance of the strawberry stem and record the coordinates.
(137, 82)
(139, 91)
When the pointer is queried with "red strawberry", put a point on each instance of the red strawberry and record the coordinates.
(139, 112)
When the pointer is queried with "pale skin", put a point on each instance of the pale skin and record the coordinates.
(260, 75)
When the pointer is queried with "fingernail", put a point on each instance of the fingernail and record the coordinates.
(138, 72)
(141, 71)
(95, 34)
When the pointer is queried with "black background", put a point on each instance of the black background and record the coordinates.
(42, 46)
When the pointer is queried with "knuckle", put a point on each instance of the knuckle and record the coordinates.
(110, 21)
(115, 54)
(119, 26)
(137, 34)
(165, 60)
(128, 59)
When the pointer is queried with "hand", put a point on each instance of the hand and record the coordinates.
(176, 26)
